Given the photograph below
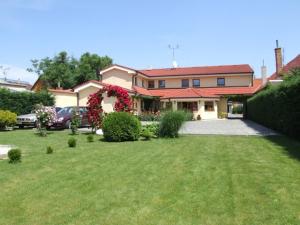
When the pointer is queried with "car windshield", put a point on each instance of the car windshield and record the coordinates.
(66, 110)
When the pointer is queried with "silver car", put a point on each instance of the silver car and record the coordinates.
(26, 120)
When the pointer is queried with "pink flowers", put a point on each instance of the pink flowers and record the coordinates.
(45, 115)
(95, 111)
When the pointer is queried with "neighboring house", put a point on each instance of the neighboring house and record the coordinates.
(281, 69)
(14, 85)
(202, 90)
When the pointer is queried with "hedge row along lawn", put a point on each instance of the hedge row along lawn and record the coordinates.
(189, 180)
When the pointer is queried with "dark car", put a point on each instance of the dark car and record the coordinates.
(64, 117)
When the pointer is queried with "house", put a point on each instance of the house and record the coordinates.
(205, 90)
(14, 85)
(281, 69)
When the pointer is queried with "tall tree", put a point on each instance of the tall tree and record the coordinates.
(90, 66)
(56, 72)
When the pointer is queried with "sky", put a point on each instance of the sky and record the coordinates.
(136, 33)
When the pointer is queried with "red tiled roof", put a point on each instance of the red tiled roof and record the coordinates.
(69, 91)
(203, 70)
(294, 63)
(200, 92)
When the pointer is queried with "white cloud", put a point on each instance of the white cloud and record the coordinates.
(15, 73)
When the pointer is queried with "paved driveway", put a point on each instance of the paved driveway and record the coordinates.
(225, 127)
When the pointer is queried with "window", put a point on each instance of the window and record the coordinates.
(143, 83)
(135, 81)
(151, 84)
(209, 106)
(185, 83)
(221, 81)
(161, 83)
(196, 83)
(188, 106)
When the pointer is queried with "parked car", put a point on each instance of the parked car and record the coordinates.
(29, 119)
(64, 117)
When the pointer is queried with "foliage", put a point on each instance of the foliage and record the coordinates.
(89, 67)
(189, 116)
(72, 142)
(23, 102)
(49, 150)
(149, 116)
(223, 115)
(147, 134)
(14, 155)
(90, 138)
(153, 128)
(237, 109)
(95, 111)
(121, 126)
(171, 123)
(45, 117)
(278, 107)
(7, 119)
(75, 122)
(66, 71)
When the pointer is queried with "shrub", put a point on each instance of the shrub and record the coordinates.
(171, 123)
(23, 102)
(14, 155)
(7, 119)
(75, 122)
(153, 128)
(90, 138)
(49, 150)
(147, 134)
(278, 107)
(149, 117)
(72, 142)
(121, 126)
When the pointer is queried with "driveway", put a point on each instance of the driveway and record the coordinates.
(226, 127)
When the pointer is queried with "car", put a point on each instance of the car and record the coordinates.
(64, 117)
(30, 119)
(26, 120)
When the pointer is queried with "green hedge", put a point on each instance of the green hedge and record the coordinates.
(171, 123)
(23, 102)
(278, 106)
(7, 119)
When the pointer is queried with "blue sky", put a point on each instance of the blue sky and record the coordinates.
(136, 33)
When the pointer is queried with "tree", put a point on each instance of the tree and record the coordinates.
(65, 71)
(90, 66)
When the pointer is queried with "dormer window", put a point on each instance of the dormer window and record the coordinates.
(221, 82)
(151, 84)
(161, 83)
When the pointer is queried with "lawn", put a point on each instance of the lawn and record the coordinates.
(190, 180)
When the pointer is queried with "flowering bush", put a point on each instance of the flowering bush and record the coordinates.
(45, 116)
(95, 111)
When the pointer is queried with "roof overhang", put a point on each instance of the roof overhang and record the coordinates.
(87, 85)
(117, 67)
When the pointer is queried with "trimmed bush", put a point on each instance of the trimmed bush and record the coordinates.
(23, 102)
(49, 150)
(278, 107)
(121, 126)
(72, 142)
(171, 123)
(90, 138)
(147, 134)
(14, 156)
(7, 119)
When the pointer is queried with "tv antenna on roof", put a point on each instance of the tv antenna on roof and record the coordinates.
(4, 71)
(173, 48)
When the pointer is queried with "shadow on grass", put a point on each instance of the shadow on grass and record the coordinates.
(290, 146)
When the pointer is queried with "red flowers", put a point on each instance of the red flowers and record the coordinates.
(95, 111)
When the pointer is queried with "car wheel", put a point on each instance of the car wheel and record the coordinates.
(21, 126)
(68, 124)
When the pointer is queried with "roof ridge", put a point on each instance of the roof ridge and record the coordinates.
(187, 67)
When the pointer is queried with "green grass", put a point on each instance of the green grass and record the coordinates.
(190, 180)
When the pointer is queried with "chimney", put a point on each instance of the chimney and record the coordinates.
(278, 57)
(264, 73)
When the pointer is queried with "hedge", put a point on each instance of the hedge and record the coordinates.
(23, 102)
(278, 106)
